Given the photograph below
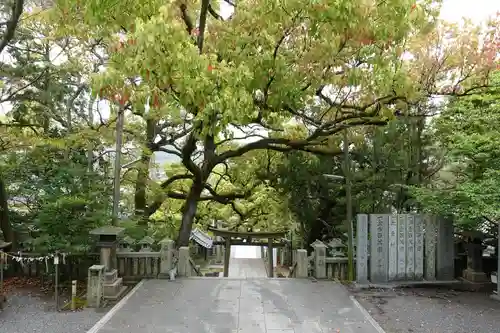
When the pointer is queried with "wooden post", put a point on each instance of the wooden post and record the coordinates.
(73, 295)
(270, 272)
(227, 256)
(56, 264)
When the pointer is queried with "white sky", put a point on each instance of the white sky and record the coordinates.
(476, 10)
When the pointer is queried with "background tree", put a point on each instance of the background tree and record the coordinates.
(204, 82)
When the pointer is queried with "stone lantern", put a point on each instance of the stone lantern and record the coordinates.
(126, 244)
(146, 243)
(336, 248)
(474, 247)
(107, 242)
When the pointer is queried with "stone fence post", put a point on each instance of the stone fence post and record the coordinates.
(183, 265)
(301, 269)
(319, 259)
(166, 257)
(95, 286)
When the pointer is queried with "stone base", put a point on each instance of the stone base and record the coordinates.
(476, 277)
(467, 285)
(409, 284)
(495, 297)
(114, 289)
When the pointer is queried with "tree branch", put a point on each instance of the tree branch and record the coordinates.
(151, 209)
(203, 23)
(17, 10)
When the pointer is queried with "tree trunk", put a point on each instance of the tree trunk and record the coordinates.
(141, 182)
(140, 188)
(188, 213)
(315, 232)
(5, 226)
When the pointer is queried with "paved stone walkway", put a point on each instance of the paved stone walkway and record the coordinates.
(247, 268)
(213, 305)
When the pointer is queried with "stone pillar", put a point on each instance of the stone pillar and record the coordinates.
(362, 249)
(219, 249)
(227, 256)
(319, 259)
(183, 268)
(95, 286)
(166, 257)
(270, 269)
(445, 270)
(379, 249)
(430, 241)
(105, 258)
(301, 269)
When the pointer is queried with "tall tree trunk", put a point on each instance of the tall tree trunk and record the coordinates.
(189, 212)
(5, 225)
(140, 188)
(141, 182)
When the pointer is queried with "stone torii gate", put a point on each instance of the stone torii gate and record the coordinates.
(246, 238)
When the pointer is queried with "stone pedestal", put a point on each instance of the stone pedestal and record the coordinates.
(95, 283)
(113, 286)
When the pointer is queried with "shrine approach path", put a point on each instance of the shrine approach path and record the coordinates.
(237, 305)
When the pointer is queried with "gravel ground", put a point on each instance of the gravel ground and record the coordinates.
(31, 312)
(422, 310)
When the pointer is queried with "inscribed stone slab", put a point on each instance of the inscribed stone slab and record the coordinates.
(419, 247)
(393, 247)
(410, 247)
(379, 231)
(445, 268)
(401, 274)
(362, 248)
(430, 248)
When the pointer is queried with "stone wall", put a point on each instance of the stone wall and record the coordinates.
(404, 247)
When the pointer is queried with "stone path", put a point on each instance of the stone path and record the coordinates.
(247, 268)
(208, 305)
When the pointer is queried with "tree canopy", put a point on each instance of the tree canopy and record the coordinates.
(250, 100)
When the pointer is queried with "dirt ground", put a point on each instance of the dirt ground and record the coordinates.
(31, 308)
(431, 310)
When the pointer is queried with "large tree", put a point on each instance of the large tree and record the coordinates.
(45, 132)
(466, 189)
(271, 75)
(10, 14)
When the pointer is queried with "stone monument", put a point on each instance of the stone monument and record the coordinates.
(108, 239)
